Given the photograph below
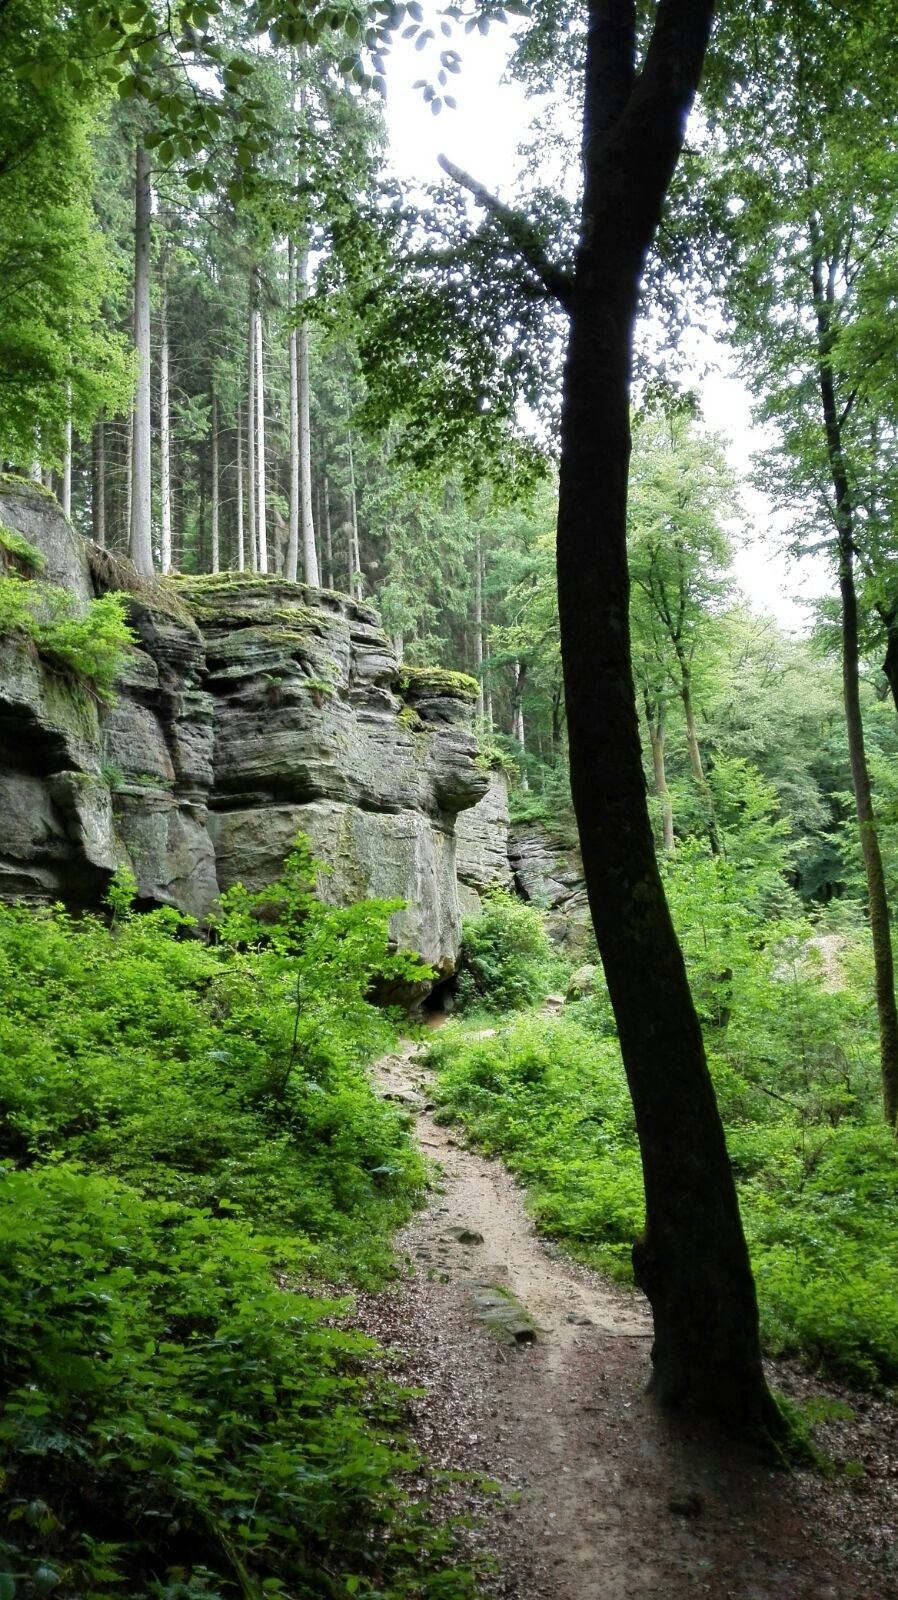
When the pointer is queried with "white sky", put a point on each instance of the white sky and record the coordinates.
(483, 136)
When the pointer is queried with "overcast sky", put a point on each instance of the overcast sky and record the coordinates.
(483, 136)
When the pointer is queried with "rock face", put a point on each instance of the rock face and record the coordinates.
(249, 710)
(482, 847)
(548, 871)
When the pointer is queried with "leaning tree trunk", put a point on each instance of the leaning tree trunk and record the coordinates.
(140, 546)
(692, 1259)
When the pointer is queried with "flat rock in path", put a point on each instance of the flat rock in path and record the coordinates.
(502, 1314)
(464, 1235)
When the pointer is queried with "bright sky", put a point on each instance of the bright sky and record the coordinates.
(483, 136)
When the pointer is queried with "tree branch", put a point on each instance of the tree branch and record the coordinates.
(519, 231)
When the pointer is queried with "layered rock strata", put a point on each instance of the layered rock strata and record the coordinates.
(248, 710)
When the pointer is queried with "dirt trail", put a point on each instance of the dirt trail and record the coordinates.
(535, 1370)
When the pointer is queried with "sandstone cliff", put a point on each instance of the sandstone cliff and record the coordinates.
(249, 709)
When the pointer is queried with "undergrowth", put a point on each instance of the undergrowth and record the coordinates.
(818, 1188)
(85, 643)
(193, 1171)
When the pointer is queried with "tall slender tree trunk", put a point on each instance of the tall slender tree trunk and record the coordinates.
(695, 750)
(328, 534)
(251, 427)
(129, 472)
(517, 716)
(165, 505)
(355, 558)
(216, 492)
(488, 684)
(692, 1260)
(654, 717)
(877, 898)
(140, 542)
(67, 457)
(311, 570)
(292, 559)
(99, 494)
(241, 554)
(478, 625)
(261, 487)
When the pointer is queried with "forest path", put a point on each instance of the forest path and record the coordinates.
(600, 1497)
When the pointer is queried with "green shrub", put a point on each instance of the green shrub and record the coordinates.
(85, 643)
(506, 962)
(819, 1193)
(191, 1157)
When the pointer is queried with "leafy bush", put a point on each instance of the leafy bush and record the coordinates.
(87, 644)
(191, 1154)
(506, 962)
(819, 1191)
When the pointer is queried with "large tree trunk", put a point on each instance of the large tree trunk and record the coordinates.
(140, 544)
(165, 508)
(692, 1259)
(877, 899)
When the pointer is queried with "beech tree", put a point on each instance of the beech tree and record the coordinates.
(802, 149)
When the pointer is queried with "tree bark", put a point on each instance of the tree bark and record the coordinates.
(165, 508)
(355, 557)
(241, 553)
(692, 1260)
(216, 497)
(251, 426)
(140, 543)
(67, 458)
(99, 495)
(291, 565)
(261, 488)
(309, 550)
(478, 625)
(328, 534)
(877, 898)
(655, 722)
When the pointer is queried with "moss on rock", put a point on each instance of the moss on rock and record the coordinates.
(436, 682)
(19, 554)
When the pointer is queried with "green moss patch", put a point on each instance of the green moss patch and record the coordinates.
(18, 554)
(437, 682)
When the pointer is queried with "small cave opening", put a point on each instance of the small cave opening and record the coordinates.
(439, 1003)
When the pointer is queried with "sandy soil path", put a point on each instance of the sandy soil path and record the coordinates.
(535, 1370)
